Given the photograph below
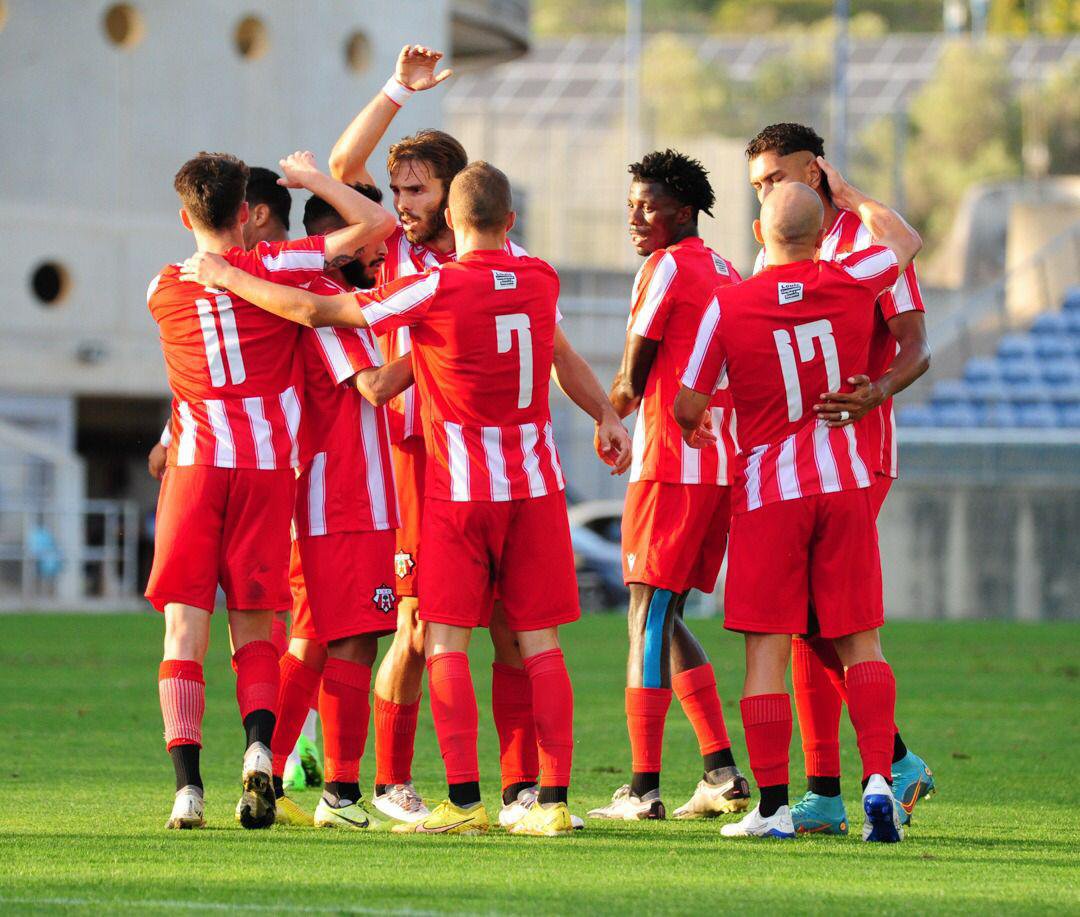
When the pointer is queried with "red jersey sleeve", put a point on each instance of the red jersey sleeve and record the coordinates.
(650, 306)
(874, 268)
(346, 351)
(293, 263)
(400, 303)
(905, 296)
(708, 362)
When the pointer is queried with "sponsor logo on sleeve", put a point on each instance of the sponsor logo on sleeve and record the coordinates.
(720, 264)
(789, 292)
(505, 280)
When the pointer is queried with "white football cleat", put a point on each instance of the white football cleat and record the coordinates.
(187, 810)
(510, 815)
(401, 803)
(729, 793)
(625, 807)
(882, 823)
(753, 824)
(257, 807)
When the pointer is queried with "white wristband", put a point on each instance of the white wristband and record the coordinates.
(397, 92)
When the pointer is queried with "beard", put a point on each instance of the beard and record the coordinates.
(430, 227)
(358, 276)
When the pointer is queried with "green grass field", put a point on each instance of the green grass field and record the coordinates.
(86, 786)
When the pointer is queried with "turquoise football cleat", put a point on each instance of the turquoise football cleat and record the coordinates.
(912, 780)
(814, 814)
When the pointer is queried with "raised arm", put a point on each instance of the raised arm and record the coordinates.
(368, 221)
(579, 383)
(415, 71)
(291, 303)
(886, 226)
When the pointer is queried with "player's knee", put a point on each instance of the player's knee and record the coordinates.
(360, 649)
(310, 652)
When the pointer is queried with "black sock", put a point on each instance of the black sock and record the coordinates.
(823, 786)
(185, 759)
(644, 782)
(717, 759)
(380, 788)
(899, 749)
(341, 790)
(511, 792)
(279, 787)
(550, 794)
(465, 794)
(772, 797)
(259, 726)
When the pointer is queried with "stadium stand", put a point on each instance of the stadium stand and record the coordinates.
(1033, 381)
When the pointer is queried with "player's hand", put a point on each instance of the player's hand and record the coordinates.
(702, 435)
(416, 68)
(844, 195)
(155, 461)
(612, 444)
(206, 269)
(838, 409)
(297, 169)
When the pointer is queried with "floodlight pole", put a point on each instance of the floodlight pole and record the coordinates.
(838, 141)
(632, 79)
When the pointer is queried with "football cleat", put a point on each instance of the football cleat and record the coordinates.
(912, 780)
(447, 818)
(187, 810)
(293, 777)
(552, 820)
(511, 814)
(290, 813)
(401, 803)
(343, 814)
(882, 823)
(257, 807)
(816, 814)
(625, 807)
(309, 761)
(726, 791)
(754, 824)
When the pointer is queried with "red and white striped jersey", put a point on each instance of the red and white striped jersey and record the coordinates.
(403, 259)
(671, 292)
(848, 234)
(781, 338)
(483, 338)
(346, 481)
(232, 367)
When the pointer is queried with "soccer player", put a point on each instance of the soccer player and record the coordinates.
(420, 169)
(803, 526)
(227, 492)
(674, 529)
(899, 354)
(483, 330)
(343, 553)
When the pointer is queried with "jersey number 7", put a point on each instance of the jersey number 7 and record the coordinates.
(505, 326)
(805, 335)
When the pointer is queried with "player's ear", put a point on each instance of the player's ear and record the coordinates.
(185, 219)
(260, 213)
(686, 215)
(757, 232)
(449, 219)
(813, 174)
(245, 212)
(511, 219)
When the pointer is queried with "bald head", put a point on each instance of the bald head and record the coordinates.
(480, 198)
(791, 214)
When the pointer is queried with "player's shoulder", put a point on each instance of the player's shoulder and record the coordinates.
(166, 283)
(660, 267)
(864, 263)
(725, 270)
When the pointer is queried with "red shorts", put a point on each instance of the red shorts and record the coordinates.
(879, 490)
(227, 526)
(674, 535)
(520, 547)
(786, 554)
(410, 468)
(343, 585)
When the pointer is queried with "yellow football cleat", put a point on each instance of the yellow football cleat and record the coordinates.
(352, 815)
(290, 813)
(546, 821)
(448, 818)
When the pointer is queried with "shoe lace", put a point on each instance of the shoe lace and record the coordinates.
(405, 796)
(622, 792)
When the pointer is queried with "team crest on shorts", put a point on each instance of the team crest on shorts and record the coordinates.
(384, 599)
(403, 564)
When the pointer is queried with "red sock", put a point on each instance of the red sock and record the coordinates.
(183, 700)
(453, 707)
(767, 724)
(279, 636)
(872, 705)
(696, 690)
(395, 739)
(815, 677)
(553, 711)
(344, 710)
(299, 683)
(646, 713)
(512, 710)
(257, 677)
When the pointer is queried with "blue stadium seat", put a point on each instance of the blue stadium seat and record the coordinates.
(999, 415)
(1069, 416)
(1016, 347)
(982, 369)
(1065, 371)
(1071, 320)
(955, 415)
(1065, 395)
(988, 392)
(1050, 323)
(1050, 347)
(1028, 394)
(1072, 300)
(915, 415)
(950, 391)
(1020, 370)
(1037, 417)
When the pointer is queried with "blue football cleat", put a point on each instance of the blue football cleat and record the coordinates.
(882, 823)
(814, 814)
(912, 780)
